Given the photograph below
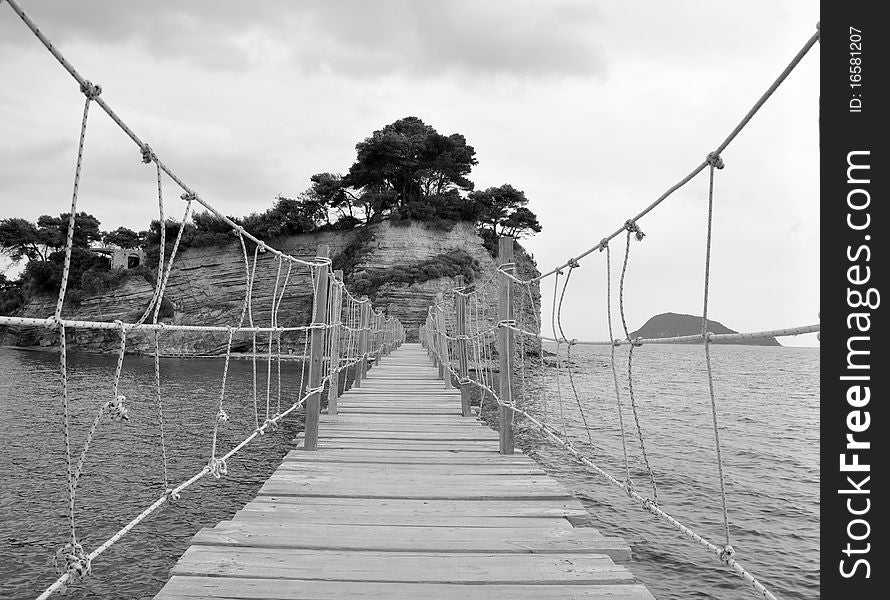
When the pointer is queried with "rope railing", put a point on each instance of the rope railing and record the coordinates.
(341, 335)
(470, 335)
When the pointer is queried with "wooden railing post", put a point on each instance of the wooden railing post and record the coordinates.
(505, 343)
(444, 365)
(460, 309)
(336, 307)
(378, 336)
(316, 352)
(361, 370)
(440, 337)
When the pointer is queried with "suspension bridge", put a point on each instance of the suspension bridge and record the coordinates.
(395, 490)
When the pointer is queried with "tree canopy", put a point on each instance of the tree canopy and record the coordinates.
(408, 170)
(407, 161)
(20, 238)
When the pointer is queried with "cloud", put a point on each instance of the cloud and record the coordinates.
(352, 38)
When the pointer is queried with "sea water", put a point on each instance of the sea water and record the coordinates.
(767, 401)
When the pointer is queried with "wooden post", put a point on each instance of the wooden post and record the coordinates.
(460, 307)
(434, 336)
(437, 324)
(336, 307)
(316, 352)
(361, 370)
(378, 336)
(505, 344)
(444, 363)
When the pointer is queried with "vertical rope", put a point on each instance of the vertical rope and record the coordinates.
(63, 359)
(278, 333)
(627, 479)
(272, 323)
(562, 417)
(630, 355)
(706, 340)
(160, 298)
(161, 247)
(71, 218)
(570, 343)
(221, 416)
(159, 402)
(252, 279)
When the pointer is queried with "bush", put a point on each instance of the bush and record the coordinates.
(347, 222)
(449, 264)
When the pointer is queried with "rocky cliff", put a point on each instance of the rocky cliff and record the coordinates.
(207, 287)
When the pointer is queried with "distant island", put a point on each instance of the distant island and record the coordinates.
(672, 325)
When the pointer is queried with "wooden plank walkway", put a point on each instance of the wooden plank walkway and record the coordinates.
(405, 499)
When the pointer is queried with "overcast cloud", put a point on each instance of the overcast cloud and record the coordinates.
(591, 108)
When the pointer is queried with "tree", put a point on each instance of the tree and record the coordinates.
(329, 189)
(123, 238)
(20, 239)
(409, 161)
(54, 230)
(445, 163)
(520, 222)
(496, 205)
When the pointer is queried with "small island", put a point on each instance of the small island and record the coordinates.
(671, 324)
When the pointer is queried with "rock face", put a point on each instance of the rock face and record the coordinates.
(673, 325)
(207, 286)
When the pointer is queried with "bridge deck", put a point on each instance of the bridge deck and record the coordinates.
(405, 499)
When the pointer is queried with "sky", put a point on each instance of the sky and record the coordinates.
(592, 108)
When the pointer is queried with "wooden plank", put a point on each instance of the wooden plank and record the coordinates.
(417, 567)
(385, 456)
(377, 538)
(350, 469)
(189, 588)
(526, 507)
(273, 513)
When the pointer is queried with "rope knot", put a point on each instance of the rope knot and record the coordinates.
(633, 228)
(507, 323)
(616, 343)
(189, 196)
(637, 342)
(218, 467)
(629, 487)
(238, 231)
(573, 263)
(569, 446)
(649, 504)
(54, 323)
(261, 247)
(727, 553)
(222, 416)
(71, 559)
(465, 380)
(714, 160)
(89, 90)
(117, 410)
(171, 495)
(148, 154)
(604, 243)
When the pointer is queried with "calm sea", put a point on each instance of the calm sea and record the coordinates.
(768, 409)
(768, 415)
